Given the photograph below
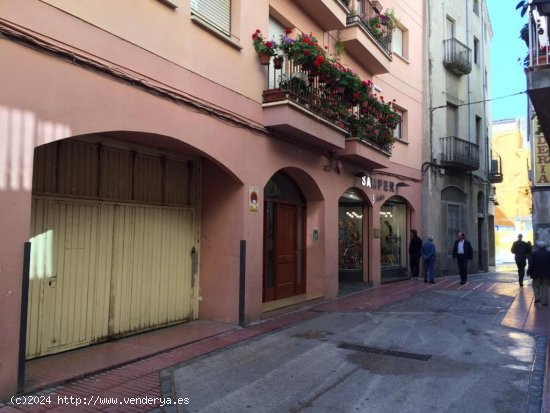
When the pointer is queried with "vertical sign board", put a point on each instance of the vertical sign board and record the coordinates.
(541, 161)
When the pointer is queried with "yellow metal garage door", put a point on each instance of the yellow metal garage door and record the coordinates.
(104, 268)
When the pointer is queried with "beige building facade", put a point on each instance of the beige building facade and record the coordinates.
(513, 194)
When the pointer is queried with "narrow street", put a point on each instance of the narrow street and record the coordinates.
(400, 347)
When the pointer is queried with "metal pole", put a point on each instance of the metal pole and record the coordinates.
(242, 282)
(23, 320)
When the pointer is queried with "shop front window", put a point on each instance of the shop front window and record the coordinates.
(350, 237)
(393, 230)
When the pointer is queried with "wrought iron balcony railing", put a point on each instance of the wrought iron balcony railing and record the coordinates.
(327, 98)
(495, 169)
(537, 38)
(459, 154)
(457, 57)
(365, 15)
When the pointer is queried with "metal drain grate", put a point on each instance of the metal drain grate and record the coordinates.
(384, 351)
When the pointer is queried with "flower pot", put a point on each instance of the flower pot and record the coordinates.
(278, 62)
(264, 58)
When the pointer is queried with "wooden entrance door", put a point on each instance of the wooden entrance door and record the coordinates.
(285, 237)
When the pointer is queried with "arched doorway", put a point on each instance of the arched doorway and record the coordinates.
(114, 233)
(393, 239)
(351, 227)
(284, 242)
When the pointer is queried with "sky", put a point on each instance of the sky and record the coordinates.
(507, 76)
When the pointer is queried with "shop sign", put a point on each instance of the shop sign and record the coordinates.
(542, 162)
(379, 184)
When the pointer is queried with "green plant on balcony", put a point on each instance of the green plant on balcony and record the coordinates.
(305, 50)
(265, 48)
(382, 25)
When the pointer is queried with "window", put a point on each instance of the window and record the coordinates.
(276, 30)
(476, 50)
(452, 120)
(453, 225)
(397, 41)
(476, 7)
(478, 130)
(398, 132)
(215, 12)
(450, 28)
(393, 235)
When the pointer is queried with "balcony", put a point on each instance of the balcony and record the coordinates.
(457, 57)
(329, 14)
(311, 107)
(368, 45)
(367, 154)
(301, 106)
(538, 71)
(459, 155)
(495, 171)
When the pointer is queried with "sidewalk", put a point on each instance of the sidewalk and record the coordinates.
(120, 377)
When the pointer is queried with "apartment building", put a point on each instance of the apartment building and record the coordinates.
(153, 170)
(456, 184)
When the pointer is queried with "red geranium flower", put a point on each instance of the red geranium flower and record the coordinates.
(318, 61)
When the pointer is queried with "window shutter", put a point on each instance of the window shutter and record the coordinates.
(397, 41)
(275, 31)
(216, 12)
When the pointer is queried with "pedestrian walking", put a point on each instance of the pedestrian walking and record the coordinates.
(521, 251)
(462, 252)
(415, 248)
(428, 255)
(539, 271)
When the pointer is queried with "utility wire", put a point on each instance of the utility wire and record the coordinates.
(481, 101)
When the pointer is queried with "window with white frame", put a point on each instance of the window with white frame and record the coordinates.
(217, 13)
(398, 132)
(275, 32)
(476, 7)
(397, 42)
(476, 50)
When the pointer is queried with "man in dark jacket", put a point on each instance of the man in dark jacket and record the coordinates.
(539, 271)
(415, 246)
(462, 252)
(521, 251)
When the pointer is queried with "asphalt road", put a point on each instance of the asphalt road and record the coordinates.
(437, 351)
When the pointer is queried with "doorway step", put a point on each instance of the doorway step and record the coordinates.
(286, 305)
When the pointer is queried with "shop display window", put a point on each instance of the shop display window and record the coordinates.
(393, 227)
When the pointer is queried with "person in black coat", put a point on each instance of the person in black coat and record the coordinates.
(521, 251)
(415, 247)
(539, 271)
(462, 252)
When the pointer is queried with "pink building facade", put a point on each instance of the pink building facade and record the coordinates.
(157, 183)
